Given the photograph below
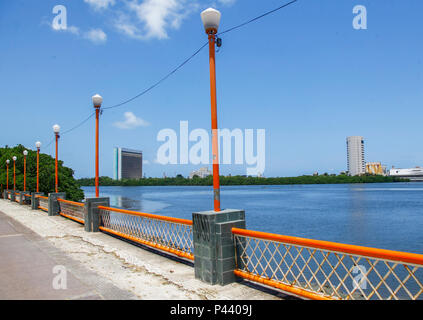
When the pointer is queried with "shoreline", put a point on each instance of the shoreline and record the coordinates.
(241, 181)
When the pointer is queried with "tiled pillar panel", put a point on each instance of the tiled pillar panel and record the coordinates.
(214, 248)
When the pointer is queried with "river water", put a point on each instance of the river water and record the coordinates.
(386, 215)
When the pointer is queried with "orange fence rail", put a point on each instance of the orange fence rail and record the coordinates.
(172, 235)
(74, 203)
(43, 203)
(317, 269)
(72, 210)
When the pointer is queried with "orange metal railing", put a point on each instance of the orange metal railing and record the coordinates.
(317, 269)
(172, 235)
(27, 198)
(43, 202)
(72, 210)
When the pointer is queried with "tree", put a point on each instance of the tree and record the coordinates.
(67, 183)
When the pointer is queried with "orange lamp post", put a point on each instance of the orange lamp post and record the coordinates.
(38, 146)
(7, 174)
(97, 100)
(25, 153)
(211, 20)
(14, 173)
(56, 130)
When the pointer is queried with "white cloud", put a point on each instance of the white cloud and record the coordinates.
(146, 19)
(142, 19)
(131, 121)
(73, 29)
(96, 35)
(70, 29)
(100, 4)
(227, 2)
(127, 27)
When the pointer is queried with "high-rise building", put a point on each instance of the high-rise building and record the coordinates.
(127, 164)
(355, 156)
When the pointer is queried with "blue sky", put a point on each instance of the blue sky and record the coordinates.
(303, 74)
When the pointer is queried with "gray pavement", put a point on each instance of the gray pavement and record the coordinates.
(26, 269)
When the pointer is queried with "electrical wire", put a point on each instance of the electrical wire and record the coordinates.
(195, 53)
(257, 18)
(71, 129)
(177, 68)
(158, 82)
(79, 124)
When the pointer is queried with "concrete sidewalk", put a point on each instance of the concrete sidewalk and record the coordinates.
(98, 266)
(26, 269)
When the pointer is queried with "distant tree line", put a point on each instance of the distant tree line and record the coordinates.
(67, 183)
(179, 180)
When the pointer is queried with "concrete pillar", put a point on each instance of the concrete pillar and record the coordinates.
(35, 201)
(91, 212)
(53, 204)
(12, 196)
(214, 248)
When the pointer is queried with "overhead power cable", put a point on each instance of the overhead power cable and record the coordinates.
(71, 129)
(257, 18)
(177, 68)
(79, 124)
(195, 53)
(160, 81)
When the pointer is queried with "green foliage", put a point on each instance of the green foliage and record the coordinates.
(67, 183)
(239, 180)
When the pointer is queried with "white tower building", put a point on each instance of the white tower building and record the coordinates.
(355, 155)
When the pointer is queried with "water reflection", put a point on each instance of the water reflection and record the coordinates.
(357, 221)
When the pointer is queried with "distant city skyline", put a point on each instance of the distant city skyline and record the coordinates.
(304, 74)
